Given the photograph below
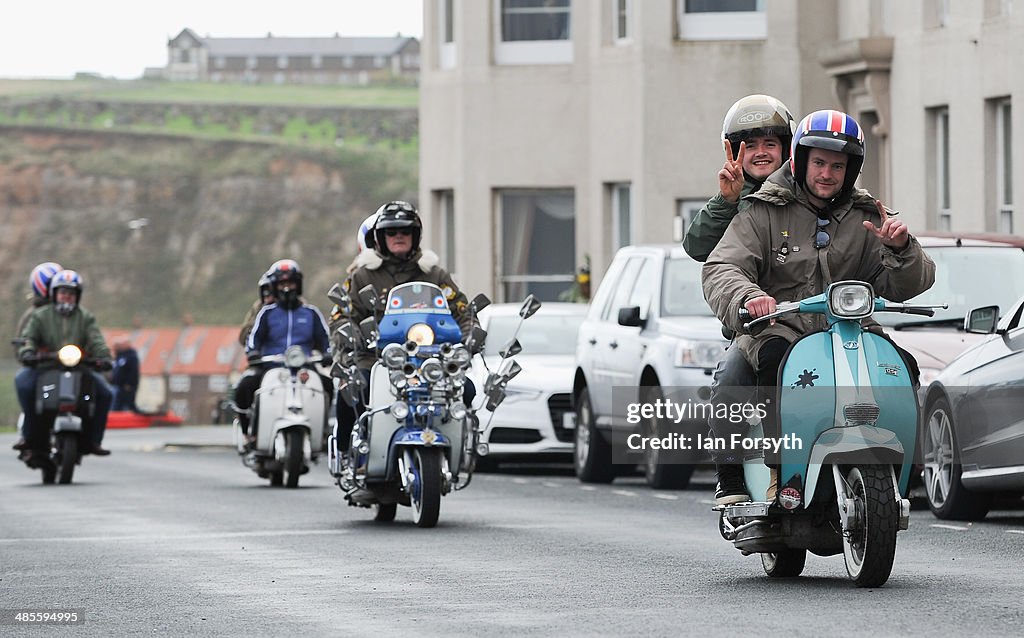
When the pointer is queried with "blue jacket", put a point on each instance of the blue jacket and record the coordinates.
(276, 329)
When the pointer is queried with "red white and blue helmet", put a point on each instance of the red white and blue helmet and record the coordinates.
(365, 237)
(67, 279)
(285, 269)
(40, 278)
(833, 131)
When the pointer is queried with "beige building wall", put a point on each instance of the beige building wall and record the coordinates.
(648, 111)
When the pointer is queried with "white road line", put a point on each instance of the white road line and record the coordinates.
(623, 492)
(520, 481)
(666, 497)
(1015, 531)
(588, 488)
(173, 537)
(550, 484)
(706, 502)
(952, 527)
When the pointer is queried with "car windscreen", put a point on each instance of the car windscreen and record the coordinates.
(965, 278)
(540, 334)
(681, 292)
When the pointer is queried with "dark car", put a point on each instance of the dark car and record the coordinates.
(972, 442)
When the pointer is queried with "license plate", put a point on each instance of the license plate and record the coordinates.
(569, 420)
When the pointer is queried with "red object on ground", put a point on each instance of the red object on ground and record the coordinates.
(119, 419)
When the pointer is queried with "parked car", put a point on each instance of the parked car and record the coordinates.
(973, 435)
(648, 332)
(970, 271)
(536, 419)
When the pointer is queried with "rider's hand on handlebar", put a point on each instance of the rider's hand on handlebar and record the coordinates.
(104, 365)
(28, 358)
(761, 306)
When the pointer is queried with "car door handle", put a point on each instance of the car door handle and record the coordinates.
(592, 342)
(613, 345)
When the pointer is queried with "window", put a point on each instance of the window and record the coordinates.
(936, 13)
(622, 216)
(378, 61)
(623, 288)
(445, 206)
(686, 210)
(282, 61)
(184, 56)
(998, 9)
(939, 175)
(721, 20)
(446, 58)
(533, 32)
(1004, 166)
(537, 242)
(219, 62)
(317, 61)
(621, 12)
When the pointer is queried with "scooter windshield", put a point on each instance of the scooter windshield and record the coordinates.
(416, 297)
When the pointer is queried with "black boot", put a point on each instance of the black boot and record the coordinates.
(731, 487)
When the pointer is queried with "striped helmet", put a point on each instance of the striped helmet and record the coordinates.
(40, 278)
(66, 279)
(832, 131)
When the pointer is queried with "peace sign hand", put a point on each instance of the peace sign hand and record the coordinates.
(730, 178)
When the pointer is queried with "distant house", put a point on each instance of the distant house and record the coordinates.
(276, 60)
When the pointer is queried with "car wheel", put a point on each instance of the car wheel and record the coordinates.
(947, 497)
(662, 471)
(592, 455)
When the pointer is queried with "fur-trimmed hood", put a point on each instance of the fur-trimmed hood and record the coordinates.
(372, 260)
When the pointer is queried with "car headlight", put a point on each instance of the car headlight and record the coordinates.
(421, 334)
(393, 356)
(698, 353)
(294, 357)
(69, 356)
(513, 395)
(854, 300)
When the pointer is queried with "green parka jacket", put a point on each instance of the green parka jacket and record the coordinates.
(708, 226)
(49, 331)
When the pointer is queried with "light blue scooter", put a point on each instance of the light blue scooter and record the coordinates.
(848, 419)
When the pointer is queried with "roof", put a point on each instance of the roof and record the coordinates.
(270, 45)
(669, 250)
(193, 350)
(547, 308)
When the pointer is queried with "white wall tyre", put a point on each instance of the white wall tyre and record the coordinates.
(869, 547)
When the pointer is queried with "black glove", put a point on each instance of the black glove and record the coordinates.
(27, 358)
(104, 365)
(253, 357)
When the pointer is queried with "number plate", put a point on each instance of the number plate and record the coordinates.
(569, 420)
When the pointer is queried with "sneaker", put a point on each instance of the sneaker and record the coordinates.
(20, 444)
(731, 488)
(100, 451)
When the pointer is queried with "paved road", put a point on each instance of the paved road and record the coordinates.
(171, 535)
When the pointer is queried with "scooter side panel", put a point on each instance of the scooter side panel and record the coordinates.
(273, 400)
(897, 401)
(807, 400)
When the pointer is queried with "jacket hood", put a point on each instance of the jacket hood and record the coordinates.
(372, 260)
(781, 189)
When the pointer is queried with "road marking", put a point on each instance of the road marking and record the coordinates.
(623, 492)
(666, 497)
(952, 527)
(706, 502)
(174, 537)
(550, 484)
(1015, 531)
(588, 488)
(520, 481)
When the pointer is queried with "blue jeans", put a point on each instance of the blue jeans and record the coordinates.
(25, 386)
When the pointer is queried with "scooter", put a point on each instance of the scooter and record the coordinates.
(290, 418)
(64, 400)
(416, 440)
(848, 419)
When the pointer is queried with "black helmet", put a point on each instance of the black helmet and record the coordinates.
(397, 214)
(286, 270)
(758, 116)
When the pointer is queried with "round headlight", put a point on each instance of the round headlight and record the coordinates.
(461, 355)
(294, 357)
(421, 334)
(432, 371)
(398, 379)
(457, 410)
(393, 356)
(399, 410)
(69, 356)
(853, 300)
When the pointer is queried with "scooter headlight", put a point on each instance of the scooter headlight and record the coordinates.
(421, 334)
(69, 356)
(294, 357)
(852, 300)
(393, 356)
(432, 371)
(457, 410)
(399, 410)
(460, 355)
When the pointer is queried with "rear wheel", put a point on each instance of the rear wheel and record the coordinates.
(426, 486)
(592, 456)
(785, 564)
(293, 457)
(869, 545)
(385, 512)
(277, 478)
(947, 497)
(67, 450)
(662, 471)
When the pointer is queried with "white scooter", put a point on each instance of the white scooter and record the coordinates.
(290, 417)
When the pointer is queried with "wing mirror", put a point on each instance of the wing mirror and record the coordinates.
(982, 320)
(630, 316)
(339, 296)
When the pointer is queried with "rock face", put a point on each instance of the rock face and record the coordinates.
(165, 227)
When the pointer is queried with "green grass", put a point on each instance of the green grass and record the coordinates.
(9, 409)
(217, 93)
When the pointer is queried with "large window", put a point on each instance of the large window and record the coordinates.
(447, 21)
(445, 206)
(622, 217)
(721, 19)
(939, 176)
(621, 16)
(686, 210)
(538, 243)
(1004, 165)
(533, 32)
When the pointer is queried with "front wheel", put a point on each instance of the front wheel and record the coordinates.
(67, 449)
(293, 457)
(425, 487)
(592, 456)
(785, 564)
(661, 471)
(869, 545)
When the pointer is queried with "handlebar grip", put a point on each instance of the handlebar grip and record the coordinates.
(744, 314)
(924, 312)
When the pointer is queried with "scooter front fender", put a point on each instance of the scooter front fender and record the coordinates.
(855, 445)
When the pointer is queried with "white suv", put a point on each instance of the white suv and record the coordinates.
(648, 333)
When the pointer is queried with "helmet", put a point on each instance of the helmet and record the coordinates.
(286, 270)
(832, 131)
(758, 116)
(365, 235)
(40, 278)
(264, 285)
(66, 279)
(396, 214)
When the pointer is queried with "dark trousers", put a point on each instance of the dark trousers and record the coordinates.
(124, 399)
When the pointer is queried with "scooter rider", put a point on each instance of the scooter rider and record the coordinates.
(49, 328)
(286, 322)
(756, 135)
(394, 258)
(806, 227)
(266, 297)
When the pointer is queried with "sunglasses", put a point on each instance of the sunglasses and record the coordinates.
(397, 231)
(821, 237)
